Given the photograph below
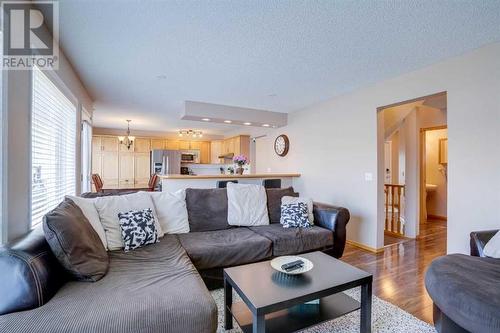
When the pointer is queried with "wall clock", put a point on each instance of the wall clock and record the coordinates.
(281, 145)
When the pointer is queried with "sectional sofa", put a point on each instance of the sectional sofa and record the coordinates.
(160, 287)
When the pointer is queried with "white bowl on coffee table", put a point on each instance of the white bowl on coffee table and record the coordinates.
(276, 263)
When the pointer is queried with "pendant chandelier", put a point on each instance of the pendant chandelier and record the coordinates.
(127, 140)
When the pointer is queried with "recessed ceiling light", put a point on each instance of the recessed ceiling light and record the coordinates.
(206, 119)
(228, 121)
(266, 125)
(271, 95)
(161, 77)
(247, 123)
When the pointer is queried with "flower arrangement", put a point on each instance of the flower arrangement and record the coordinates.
(241, 160)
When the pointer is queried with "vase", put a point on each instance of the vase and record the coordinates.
(239, 170)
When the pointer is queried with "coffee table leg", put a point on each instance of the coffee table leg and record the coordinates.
(366, 308)
(228, 301)
(258, 324)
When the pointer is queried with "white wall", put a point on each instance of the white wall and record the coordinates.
(333, 145)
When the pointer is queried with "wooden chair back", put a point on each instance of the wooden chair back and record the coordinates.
(152, 182)
(96, 179)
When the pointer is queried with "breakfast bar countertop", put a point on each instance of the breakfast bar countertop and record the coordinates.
(229, 176)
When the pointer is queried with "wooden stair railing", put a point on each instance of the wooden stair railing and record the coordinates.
(393, 195)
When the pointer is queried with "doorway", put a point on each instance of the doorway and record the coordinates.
(433, 179)
(409, 194)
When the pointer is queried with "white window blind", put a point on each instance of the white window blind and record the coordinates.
(53, 143)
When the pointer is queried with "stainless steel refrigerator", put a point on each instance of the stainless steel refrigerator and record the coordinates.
(165, 162)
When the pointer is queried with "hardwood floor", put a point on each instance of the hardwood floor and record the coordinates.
(398, 272)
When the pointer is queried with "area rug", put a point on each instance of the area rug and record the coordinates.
(386, 317)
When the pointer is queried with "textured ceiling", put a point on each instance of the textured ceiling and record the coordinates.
(274, 55)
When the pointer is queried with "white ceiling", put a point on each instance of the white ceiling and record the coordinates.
(275, 55)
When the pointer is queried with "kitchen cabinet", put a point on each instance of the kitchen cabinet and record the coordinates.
(96, 144)
(172, 144)
(195, 145)
(109, 143)
(141, 170)
(142, 145)
(238, 145)
(216, 151)
(205, 152)
(109, 169)
(184, 145)
(126, 170)
(158, 144)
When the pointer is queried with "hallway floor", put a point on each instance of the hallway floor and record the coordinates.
(398, 272)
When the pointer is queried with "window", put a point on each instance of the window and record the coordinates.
(53, 146)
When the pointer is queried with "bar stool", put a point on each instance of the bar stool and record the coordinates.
(271, 183)
(223, 183)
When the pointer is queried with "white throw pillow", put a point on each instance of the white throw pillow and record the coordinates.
(492, 248)
(246, 205)
(172, 211)
(88, 208)
(109, 207)
(294, 200)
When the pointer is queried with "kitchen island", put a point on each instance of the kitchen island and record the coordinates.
(171, 183)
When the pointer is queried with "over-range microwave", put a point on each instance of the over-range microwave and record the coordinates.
(190, 157)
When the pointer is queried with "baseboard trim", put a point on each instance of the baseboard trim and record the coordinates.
(365, 247)
(437, 217)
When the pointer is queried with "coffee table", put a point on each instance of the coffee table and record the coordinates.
(274, 301)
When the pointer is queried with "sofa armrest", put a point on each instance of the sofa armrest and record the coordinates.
(335, 219)
(478, 240)
(29, 273)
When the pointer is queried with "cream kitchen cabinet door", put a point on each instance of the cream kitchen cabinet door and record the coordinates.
(142, 170)
(109, 143)
(126, 166)
(205, 152)
(109, 169)
(216, 151)
(172, 145)
(157, 144)
(96, 144)
(196, 145)
(142, 145)
(184, 145)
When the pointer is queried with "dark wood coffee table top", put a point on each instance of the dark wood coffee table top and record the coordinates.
(267, 289)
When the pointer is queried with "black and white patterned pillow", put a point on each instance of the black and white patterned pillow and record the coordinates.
(295, 215)
(138, 228)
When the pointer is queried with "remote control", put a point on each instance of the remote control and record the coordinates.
(292, 268)
(292, 265)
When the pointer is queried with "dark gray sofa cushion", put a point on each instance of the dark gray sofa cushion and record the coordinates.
(295, 240)
(152, 289)
(75, 243)
(467, 290)
(224, 248)
(274, 196)
(207, 209)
